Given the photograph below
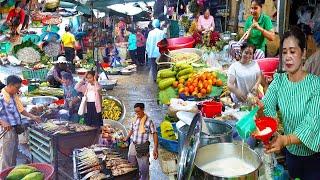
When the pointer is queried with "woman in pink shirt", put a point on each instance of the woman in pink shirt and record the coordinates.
(90, 88)
(141, 47)
(206, 22)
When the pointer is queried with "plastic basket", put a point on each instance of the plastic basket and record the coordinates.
(5, 47)
(52, 28)
(46, 169)
(268, 66)
(40, 74)
(169, 145)
(33, 37)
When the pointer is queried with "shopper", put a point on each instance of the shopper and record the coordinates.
(141, 47)
(154, 36)
(262, 28)
(15, 18)
(313, 63)
(244, 76)
(54, 76)
(141, 128)
(72, 98)
(68, 42)
(11, 109)
(296, 94)
(91, 90)
(112, 55)
(132, 46)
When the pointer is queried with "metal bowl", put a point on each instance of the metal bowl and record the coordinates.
(119, 103)
(43, 100)
(108, 84)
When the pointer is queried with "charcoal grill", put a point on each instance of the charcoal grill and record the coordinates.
(46, 147)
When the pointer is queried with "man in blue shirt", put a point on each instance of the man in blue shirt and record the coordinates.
(11, 109)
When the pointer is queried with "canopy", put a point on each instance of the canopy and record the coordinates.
(130, 9)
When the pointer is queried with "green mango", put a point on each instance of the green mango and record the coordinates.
(22, 166)
(17, 174)
(34, 176)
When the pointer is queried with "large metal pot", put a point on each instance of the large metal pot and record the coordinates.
(219, 132)
(119, 103)
(219, 151)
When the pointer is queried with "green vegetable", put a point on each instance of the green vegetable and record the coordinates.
(34, 176)
(166, 95)
(184, 72)
(182, 66)
(167, 131)
(216, 91)
(168, 73)
(185, 77)
(165, 83)
(17, 174)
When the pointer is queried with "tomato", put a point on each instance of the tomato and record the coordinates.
(203, 77)
(175, 84)
(186, 89)
(205, 84)
(210, 82)
(203, 91)
(188, 83)
(214, 80)
(200, 85)
(196, 89)
(219, 82)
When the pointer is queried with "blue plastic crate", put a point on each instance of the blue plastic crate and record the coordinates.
(169, 145)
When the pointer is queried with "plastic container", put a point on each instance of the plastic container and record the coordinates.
(263, 123)
(46, 169)
(246, 125)
(268, 66)
(5, 47)
(211, 109)
(169, 145)
(33, 37)
(177, 43)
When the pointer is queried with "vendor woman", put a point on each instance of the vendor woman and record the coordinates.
(261, 24)
(206, 22)
(296, 93)
(54, 76)
(244, 76)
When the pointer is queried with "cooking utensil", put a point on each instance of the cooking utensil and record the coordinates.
(214, 152)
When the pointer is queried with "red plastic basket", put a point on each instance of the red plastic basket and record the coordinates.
(268, 66)
(59, 102)
(263, 123)
(177, 43)
(211, 109)
(46, 169)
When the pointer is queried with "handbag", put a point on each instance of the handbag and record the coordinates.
(83, 105)
(19, 128)
(142, 149)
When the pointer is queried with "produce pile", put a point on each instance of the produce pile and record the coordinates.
(47, 91)
(63, 127)
(111, 110)
(184, 57)
(184, 81)
(28, 55)
(25, 172)
(167, 131)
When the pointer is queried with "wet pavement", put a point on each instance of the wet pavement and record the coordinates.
(131, 89)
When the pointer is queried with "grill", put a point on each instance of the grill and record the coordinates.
(47, 147)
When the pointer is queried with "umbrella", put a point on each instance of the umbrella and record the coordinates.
(129, 9)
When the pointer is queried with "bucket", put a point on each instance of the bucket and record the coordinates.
(219, 132)
(211, 109)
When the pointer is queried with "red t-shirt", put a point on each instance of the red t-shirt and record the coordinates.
(12, 14)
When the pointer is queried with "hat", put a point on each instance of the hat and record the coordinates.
(61, 60)
(156, 23)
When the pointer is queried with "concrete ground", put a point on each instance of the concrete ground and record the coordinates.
(138, 87)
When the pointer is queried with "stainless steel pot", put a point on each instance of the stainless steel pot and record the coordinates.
(219, 132)
(219, 151)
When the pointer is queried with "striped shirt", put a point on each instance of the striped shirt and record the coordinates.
(299, 104)
(140, 138)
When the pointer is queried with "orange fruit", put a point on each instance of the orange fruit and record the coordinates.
(180, 85)
(187, 93)
(203, 91)
(186, 89)
(194, 93)
(219, 82)
(200, 85)
(214, 74)
(191, 89)
(181, 90)
(175, 84)
(214, 81)
(199, 95)
(203, 77)
(210, 82)
(181, 81)
(209, 89)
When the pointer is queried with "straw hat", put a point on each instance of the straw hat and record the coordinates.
(61, 60)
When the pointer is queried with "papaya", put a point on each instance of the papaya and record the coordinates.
(184, 72)
(34, 176)
(164, 83)
(167, 73)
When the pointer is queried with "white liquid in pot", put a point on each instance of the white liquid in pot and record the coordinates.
(228, 167)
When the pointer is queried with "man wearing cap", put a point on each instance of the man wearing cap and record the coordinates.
(69, 41)
(54, 76)
(155, 36)
(15, 18)
(11, 109)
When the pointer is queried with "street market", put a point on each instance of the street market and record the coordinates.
(159, 89)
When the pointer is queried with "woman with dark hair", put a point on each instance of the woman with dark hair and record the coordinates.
(112, 55)
(15, 18)
(313, 63)
(141, 47)
(244, 76)
(297, 96)
(262, 28)
(71, 96)
(91, 89)
(206, 22)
